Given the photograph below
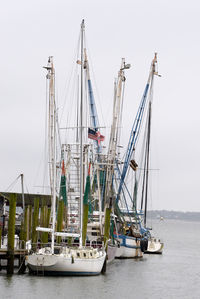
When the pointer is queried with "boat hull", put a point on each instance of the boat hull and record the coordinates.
(129, 247)
(49, 264)
(154, 247)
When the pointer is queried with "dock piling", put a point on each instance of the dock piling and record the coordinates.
(11, 233)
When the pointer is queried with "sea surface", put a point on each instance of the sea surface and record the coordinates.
(174, 274)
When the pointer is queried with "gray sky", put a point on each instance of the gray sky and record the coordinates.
(30, 31)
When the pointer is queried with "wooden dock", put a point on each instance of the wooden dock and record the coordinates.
(18, 255)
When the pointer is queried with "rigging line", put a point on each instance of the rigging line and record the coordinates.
(71, 96)
(26, 186)
(56, 111)
(45, 143)
(123, 191)
(13, 183)
(141, 120)
(149, 99)
(95, 82)
(142, 153)
(67, 84)
(145, 166)
(58, 131)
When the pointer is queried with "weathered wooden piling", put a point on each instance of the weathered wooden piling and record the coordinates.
(44, 221)
(107, 226)
(60, 218)
(85, 222)
(35, 222)
(11, 233)
(21, 235)
(30, 221)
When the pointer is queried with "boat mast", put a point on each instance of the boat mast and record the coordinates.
(148, 138)
(112, 149)
(81, 136)
(52, 142)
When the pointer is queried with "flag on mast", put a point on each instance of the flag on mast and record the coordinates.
(95, 135)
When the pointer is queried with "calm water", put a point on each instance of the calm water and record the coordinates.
(175, 274)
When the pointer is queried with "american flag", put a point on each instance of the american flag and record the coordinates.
(95, 135)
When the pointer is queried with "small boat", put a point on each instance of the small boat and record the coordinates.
(155, 246)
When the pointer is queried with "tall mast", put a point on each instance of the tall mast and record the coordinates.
(81, 135)
(117, 106)
(145, 184)
(52, 142)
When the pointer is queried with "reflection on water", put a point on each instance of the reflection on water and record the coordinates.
(175, 274)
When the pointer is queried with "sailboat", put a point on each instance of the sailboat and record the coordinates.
(65, 259)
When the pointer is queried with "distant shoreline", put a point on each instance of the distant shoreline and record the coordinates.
(176, 215)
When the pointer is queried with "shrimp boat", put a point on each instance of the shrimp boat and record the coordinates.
(66, 259)
(153, 245)
(131, 233)
(94, 216)
(127, 246)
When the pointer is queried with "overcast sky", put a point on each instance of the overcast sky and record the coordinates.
(30, 31)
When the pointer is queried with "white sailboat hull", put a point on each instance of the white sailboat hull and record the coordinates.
(154, 246)
(129, 248)
(61, 264)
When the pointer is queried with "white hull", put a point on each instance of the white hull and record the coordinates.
(89, 262)
(129, 248)
(154, 246)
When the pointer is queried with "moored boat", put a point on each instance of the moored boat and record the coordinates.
(155, 246)
(129, 247)
(67, 261)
